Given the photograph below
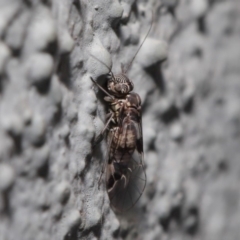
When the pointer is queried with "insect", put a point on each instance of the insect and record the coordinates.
(125, 172)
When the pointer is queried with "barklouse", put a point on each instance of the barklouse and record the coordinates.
(125, 173)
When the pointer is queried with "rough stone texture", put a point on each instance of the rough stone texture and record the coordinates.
(188, 76)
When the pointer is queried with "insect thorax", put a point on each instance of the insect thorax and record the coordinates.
(120, 85)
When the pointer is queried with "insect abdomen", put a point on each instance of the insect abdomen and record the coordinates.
(125, 137)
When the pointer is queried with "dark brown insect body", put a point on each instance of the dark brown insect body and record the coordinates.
(125, 174)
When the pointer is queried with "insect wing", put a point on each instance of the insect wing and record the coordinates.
(126, 189)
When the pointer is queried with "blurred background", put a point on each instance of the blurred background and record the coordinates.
(188, 76)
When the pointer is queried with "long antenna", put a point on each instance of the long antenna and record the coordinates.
(130, 64)
(104, 65)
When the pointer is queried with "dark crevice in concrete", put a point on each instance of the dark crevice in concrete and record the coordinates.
(158, 77)
(170, 115)
(64, 70)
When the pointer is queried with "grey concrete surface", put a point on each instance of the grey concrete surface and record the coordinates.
(188, 76)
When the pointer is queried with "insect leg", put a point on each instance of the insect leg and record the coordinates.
(100, 178)
(99, 138)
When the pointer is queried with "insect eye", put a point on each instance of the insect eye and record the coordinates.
(110, 79)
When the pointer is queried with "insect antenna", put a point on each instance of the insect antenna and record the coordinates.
(110, 71)
(130, 64)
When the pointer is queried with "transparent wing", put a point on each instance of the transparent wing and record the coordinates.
(126, 180)
(126, 191)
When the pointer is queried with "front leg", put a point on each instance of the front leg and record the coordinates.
(99, 138)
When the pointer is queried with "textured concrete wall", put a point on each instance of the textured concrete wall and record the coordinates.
(187, 74)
